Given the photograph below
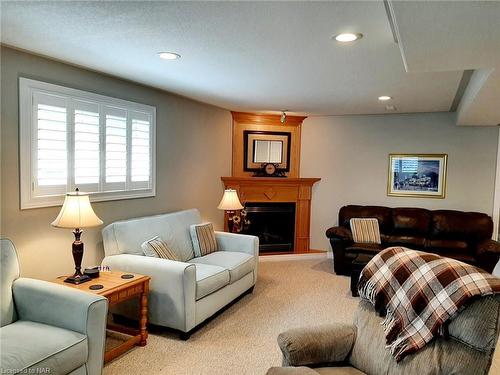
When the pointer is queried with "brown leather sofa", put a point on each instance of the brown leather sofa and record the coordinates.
(465, 236)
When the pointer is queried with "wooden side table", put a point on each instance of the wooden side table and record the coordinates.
(117, 289)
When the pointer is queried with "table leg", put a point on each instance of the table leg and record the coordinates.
(144, 317)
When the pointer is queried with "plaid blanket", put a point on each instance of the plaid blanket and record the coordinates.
(419, 292)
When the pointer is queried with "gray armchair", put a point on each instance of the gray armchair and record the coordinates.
(345, 349)
(48, 328)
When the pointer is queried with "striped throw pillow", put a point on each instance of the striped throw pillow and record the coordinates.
(156, 247)
(365, 230)
(203, 237)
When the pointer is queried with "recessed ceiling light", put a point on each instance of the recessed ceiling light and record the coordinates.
(384, 98)
(348, 37)
(169, 56)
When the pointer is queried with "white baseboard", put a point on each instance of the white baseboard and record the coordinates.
(288, 257)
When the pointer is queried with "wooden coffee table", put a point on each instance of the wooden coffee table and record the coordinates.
(117, 289)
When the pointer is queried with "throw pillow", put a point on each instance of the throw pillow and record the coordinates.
(203, 237)
(156, 247)
(365, 230)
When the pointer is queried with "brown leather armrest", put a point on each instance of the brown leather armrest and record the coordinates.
(489, 246)
(488, 254)
(339, 232)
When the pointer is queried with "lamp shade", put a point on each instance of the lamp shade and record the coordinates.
(76, 212)
(230, 201)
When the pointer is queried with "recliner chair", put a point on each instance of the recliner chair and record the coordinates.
(48, 328)
(359, 348)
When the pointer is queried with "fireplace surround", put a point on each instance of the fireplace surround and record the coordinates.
(297, 191)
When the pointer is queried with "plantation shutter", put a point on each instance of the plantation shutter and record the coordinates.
(86, 146)
(140, 173)
(116, 148)
(50, 146)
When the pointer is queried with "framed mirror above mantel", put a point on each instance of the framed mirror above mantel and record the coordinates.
(259, 139)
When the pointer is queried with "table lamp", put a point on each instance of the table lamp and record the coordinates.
(230, 203)
(77, 213)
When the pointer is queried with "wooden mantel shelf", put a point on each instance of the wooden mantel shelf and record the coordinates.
(272, 180)
(278, 189)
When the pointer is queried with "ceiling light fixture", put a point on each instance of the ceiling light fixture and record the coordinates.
(169, 56)
(347, 37)
(384, 98)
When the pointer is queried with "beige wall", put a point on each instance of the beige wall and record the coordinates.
(193, 151)
(350, 154)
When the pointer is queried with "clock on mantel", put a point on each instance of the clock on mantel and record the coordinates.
(269, 170)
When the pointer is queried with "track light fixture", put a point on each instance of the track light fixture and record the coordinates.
(283, 117)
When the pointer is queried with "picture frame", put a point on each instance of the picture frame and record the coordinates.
(261, 147)
(417, 175)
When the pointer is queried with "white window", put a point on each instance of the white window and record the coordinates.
(76, 139)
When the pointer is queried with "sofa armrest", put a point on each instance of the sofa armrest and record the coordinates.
(488, 254)
(238, 242)
(172, 286)
(341, 233)
(59, 306)
(317, 345)
(489, 246)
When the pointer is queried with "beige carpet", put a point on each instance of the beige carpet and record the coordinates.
(242, 340)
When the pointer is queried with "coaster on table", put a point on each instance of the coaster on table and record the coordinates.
(96, 287)
(127, 276)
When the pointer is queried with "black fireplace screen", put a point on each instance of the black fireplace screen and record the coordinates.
(274, 224)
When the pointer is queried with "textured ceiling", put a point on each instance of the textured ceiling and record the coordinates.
(252, 56)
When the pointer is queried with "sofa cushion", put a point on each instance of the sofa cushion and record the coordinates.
(364, 248)
(126, 236)
(28, 345)
(465, 226)
(209, 279)
(411, 221)
(157, 248)
(413, 242)
(238, 264)
(447, 246)
(203, 237)
(382, 214)
(365, 230)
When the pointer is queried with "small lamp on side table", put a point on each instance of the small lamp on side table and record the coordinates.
(230, 203)
(77, 213)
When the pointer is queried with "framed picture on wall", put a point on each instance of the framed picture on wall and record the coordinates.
(417, 175)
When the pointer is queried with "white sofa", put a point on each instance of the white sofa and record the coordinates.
(182, 294)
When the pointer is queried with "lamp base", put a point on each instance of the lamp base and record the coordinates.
(77, 250)
(77, 279)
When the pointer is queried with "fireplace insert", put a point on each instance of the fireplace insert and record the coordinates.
(274, 224)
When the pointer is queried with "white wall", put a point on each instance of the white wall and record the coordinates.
(350, 154)
(193, 152)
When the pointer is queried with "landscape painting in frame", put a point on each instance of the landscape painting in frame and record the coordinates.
(417, 175)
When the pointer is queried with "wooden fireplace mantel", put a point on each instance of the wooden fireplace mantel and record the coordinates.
(276, 189)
